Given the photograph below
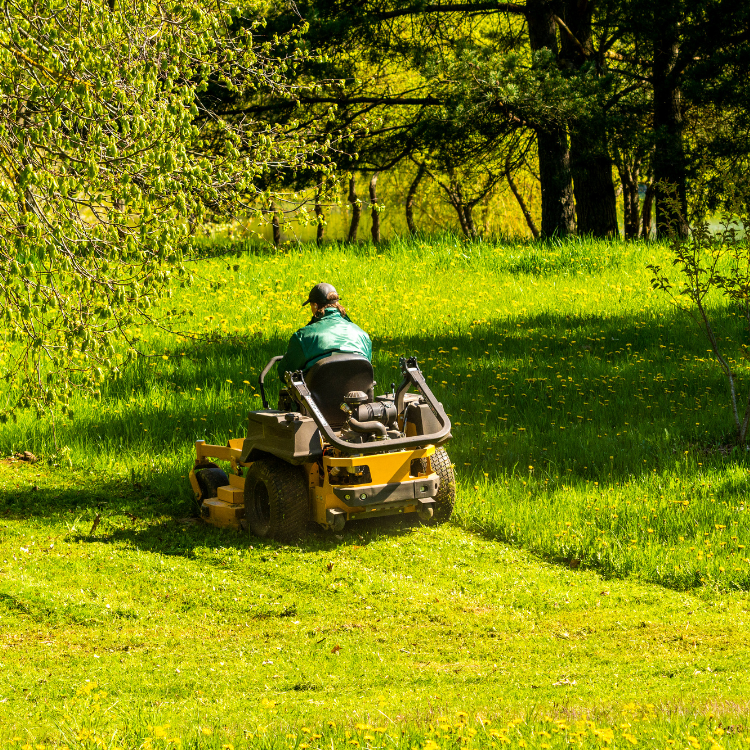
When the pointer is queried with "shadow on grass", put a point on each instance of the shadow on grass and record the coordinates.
(202, 363)
(131, 516)
(576, 397)
(82, 498)
(187, 537)
(589, 396)
(121, 512)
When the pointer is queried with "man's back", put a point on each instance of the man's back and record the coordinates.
(330, 332)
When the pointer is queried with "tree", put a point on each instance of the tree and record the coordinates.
(711, 264)
(569, 71)
(409, 204)
(412, 68)
(107, 150)
(631, 143)
(591, 160)
(691, 53)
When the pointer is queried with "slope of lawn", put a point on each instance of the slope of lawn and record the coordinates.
(149, 620)
(590, 422)
(591, 586)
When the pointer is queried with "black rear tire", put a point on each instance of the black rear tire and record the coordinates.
(276, 500)
(446, 496)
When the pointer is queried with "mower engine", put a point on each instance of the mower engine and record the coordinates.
(367, 419)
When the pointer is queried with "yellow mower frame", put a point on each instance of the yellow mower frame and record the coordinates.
(227, 509)
(401, 470)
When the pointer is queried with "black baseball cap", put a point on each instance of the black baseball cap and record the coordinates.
(322, 294)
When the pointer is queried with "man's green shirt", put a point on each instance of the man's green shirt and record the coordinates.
(333, 332)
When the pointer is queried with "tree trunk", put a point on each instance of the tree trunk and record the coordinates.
(486, 215)
(590, 161)
(275, 225)
(591, 166)
(647, 214)
(669, 154)
(356, 210)
(461, 217)
(410, 198)
(319, 215)
(375, 228)
(558, 210)
(456, 198)
(630, 201)
(522, 203)
(469, 214)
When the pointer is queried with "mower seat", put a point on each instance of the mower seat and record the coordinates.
(332, 377)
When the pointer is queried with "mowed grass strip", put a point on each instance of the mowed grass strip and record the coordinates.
(146, 629)
(154, 621)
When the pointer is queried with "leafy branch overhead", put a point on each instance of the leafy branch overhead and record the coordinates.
(109, 152)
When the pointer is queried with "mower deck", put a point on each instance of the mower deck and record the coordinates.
(391, 487)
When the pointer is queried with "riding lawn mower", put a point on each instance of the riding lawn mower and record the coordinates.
(331, 453)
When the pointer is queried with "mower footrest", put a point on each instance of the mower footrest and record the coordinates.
(371, 494)
(231, 495)
(221, 513)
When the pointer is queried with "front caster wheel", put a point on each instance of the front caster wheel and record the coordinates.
(336, 520)
(209, 477)
(425, 514)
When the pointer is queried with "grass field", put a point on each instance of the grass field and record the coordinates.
(596, 570)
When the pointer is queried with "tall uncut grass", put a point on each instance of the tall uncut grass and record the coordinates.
(590, 424)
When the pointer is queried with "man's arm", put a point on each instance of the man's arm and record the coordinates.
(294, 359)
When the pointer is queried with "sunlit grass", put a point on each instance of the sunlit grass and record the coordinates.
(154, 627)
(590, 424)
(590, 428)
(89, 719)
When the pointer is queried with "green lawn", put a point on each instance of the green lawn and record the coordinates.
(188, 626)
(596, 570)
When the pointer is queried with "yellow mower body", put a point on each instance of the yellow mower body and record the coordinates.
(335, 453)
(326, 500)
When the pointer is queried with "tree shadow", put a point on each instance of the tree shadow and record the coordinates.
(184, 537)
(576, 397)
(120, 512)
(77, 502)
(588, 395)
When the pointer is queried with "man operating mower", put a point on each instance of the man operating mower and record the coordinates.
(329, 331)
(332, 452)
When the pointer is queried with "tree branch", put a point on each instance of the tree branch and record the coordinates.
(391, 102)
(457, 8)
(521, 202)
(570, 34)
